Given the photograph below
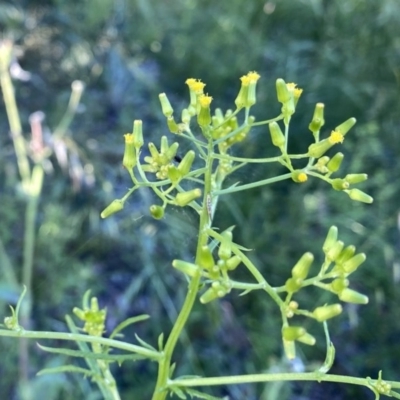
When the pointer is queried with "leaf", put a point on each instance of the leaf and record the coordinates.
(144, 344)
(193, 393)
(89, 354)
(161, 341)
(128, 322)
(66, 368)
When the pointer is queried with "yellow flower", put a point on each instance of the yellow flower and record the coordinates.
(253, 76)
(205, 100)
(245, 80)
(129, 139)
(336, 137)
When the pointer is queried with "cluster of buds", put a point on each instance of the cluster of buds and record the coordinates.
(159, 162)
(291, 334)
(224, 125)
(318, 149)
(93, 317)
(216, 272)
(346, 261)
(288, 95)
(299, 273)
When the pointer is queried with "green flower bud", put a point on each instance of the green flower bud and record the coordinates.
(351, 296)
(154, 152)
(157, 212)
(316, 150)
(164, 145)
(172, 125)
(184, 198)
(299, 176)
(233, 263)
(185, 117)
(165, 105)
(291, 333)
(293, 285)
(186, 163)
(351, 265)
(331, 238)
(333, 253)
(138, 134)
(282, 91)
(290, 349)
(129, 160)
(251, 94)
(339, 184)
(346, 254)
(204, 116)
(172, 150)
(217, 290)
(356, 178)
(174, 174)
(241, 98)
(318, 118)
(344, 127)
(335, 163)
(307, 339)
(112, 208)
(302, 267)
(277, 137)
(205, 258)
(225, 248)
(185, 267)
(339, 284)
(323, 313)
(359, 195)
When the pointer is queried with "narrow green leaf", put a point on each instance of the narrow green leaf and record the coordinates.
(144, 344)
(128, 322)
(96, 356)
(66, 368)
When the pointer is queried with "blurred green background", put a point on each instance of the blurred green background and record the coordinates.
(345, 54)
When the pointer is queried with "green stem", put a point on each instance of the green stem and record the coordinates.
(252, 185)
(12, 113)
(165, 363)
(77, 337)
(257, 378)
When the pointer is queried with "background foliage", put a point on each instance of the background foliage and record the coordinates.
(345, 54)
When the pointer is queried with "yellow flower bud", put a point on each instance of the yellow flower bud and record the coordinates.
(299, 176)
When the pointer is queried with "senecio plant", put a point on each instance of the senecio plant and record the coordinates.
(197, 180)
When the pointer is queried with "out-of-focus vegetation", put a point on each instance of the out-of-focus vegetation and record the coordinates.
(344, 54)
